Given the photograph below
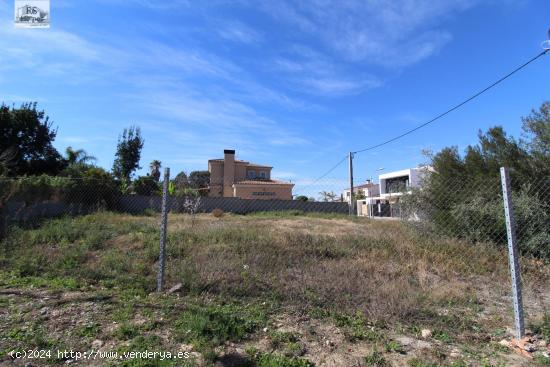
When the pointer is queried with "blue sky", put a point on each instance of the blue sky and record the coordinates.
(292, 84)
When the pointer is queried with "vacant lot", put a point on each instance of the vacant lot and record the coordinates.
(264, 290)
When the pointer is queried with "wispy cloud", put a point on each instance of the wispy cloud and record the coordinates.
(239, 32)
(387, 33)
(314, 72)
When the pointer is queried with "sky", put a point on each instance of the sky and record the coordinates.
(292, 84)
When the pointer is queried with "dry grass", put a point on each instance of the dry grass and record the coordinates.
(379, 268)
(353, 272)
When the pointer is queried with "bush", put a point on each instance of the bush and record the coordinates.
(217, 213)
(147, 186)
(476, 213)
(95, 187)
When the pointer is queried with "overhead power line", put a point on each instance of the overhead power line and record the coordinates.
(324, 174)
(456, 106)
(546, 50)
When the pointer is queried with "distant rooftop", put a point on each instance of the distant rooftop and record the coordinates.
(262, 182)
(241, 161)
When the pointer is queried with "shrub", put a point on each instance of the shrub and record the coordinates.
(217, 213)
(147, 186)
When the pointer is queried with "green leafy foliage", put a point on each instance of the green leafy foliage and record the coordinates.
(543, 328)
(462, 198)
(128, 153)
(29, 134)
(146, 185)
(275, 360)
(199, 180)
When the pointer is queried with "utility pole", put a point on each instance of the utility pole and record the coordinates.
(351, 202)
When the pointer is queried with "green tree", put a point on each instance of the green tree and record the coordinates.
(180, 181)
(200, 180)
(78, 156)
(28, 134)
(128, 153)
(146, 185)
(536, 131)
(301, 198)
(154, 168)
(462, 197)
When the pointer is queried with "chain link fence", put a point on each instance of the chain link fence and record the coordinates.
(472, 209)
(28, 201)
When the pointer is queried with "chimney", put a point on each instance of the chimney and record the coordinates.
(228, 172)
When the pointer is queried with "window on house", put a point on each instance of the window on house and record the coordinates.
(252, 174)
(262, 174)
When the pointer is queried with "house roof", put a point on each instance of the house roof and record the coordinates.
(220, 160)
(263, 182)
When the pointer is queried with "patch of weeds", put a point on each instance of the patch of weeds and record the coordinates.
(376, 359)
(210, 326)
(394, 346)
(355, 328)
(319, 313)
(459, 363)
(148, 342)
(499, 333)
(53, 283)
(280, 338)
(276, 360)
(500, 348)
(542, 360)
(543, 328)
(442, 336)
(288, 343)
(33, 336)
(89, 330)
(151, 325)
(439, 353)
(294, 349)
(126, 331)
(136, 362)
(416, 362)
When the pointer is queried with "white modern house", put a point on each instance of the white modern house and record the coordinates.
(392, 186)
(368, 189)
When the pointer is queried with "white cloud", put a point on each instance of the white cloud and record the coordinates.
(388, 33)
(333, 87)
(313, 72)
(239, 32)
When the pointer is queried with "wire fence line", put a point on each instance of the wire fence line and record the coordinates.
(487, 209)
(28, 201)
(470, 209)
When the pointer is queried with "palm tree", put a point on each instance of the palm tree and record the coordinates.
(78, 156)
(154, 166)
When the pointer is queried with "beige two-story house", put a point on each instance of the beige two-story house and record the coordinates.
(230, 177)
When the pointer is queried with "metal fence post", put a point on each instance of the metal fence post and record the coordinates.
(512, 252)
(163, 228)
